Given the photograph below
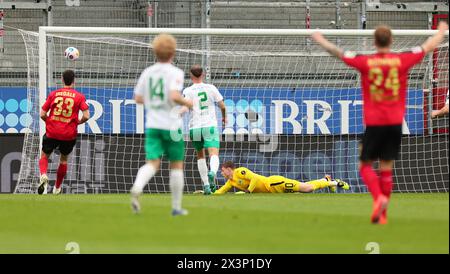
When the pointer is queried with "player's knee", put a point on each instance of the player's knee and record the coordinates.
(212, 151)
(63, 159)
(386, 165)
(176, 165)
(155, 164)
(201, 154)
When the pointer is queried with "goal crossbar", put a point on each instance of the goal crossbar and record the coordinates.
(222, 31)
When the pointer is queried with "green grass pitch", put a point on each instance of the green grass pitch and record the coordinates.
(257, 223)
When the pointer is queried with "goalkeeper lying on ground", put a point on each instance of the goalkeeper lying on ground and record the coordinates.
(245, 180)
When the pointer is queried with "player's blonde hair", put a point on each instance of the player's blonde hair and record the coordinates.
(164, 46)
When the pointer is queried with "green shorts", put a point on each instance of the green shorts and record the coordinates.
(205, 137)
(159, 142)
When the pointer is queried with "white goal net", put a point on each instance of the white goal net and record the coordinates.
(292, 109)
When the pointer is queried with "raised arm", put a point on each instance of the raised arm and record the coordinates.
(327, 45)
(436, 39)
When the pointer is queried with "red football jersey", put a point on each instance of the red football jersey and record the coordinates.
(384, 81)
(64, 105)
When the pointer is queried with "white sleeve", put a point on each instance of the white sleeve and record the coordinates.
(217, 96)
(177, 81)
(187, 93)
(140, 87)
(446, 102)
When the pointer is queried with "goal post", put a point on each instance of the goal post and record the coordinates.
(294, 110)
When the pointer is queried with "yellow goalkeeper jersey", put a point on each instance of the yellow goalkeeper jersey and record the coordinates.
(245, 179)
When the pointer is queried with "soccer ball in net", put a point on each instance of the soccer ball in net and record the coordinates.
(71, 53)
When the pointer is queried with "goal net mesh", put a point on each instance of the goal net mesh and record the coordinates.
(292, 110)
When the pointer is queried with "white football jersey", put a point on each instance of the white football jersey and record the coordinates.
(205, 97)
(155, 84)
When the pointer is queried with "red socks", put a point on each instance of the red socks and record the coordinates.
(43, 164)
(378, 186)
(386, 183)
(371, 180)
(60, 174)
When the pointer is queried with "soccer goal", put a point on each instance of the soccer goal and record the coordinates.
(292, 109)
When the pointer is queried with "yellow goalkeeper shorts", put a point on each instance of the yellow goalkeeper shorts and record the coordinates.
(280, 184)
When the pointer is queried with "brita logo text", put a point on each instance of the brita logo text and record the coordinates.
(256, 111)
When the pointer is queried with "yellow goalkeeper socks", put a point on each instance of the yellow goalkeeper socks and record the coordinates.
(319, 184)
